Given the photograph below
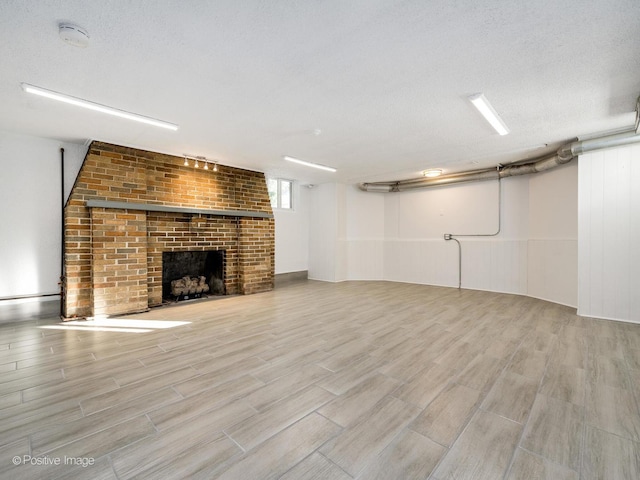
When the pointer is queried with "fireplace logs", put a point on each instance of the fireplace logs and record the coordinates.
(186, 286)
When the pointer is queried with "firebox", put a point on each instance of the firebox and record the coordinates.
(192, 274)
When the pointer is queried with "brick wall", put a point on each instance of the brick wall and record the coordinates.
(113, 257)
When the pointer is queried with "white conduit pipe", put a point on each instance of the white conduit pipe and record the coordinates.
(564, 155)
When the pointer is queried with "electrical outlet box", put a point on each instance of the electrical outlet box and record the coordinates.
(447, 236)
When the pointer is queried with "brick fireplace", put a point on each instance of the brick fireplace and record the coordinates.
(128, 206)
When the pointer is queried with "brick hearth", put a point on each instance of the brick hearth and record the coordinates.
(113, 252)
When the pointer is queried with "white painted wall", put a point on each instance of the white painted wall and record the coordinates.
(416, 221)
(399, 236)
(608, 234)
(364, 240)
(323, 232)
(553, 235)
(31, 213)
(292, 233)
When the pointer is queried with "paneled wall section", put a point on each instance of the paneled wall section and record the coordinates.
(609, 234)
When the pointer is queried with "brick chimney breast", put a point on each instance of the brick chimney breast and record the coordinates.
(128, 206)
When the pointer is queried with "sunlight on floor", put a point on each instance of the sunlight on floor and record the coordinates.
(116, 325)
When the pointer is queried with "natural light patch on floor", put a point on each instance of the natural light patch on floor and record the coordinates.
(116, 325)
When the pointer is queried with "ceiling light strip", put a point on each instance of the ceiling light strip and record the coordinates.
(484, 107)
(97, 107)
(309, 164)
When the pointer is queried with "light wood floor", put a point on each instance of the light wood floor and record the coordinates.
(367, 380)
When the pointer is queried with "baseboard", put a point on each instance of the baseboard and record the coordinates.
(37, 298)
(282, 279)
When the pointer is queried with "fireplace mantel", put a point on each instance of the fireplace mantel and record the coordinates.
(149, 207)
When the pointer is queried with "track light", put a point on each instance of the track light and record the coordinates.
(484, 107)
(198, 161)
(97, 107)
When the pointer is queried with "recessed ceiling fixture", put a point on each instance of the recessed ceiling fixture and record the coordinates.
(97, 107)
(309, 164)
(73, 34)
(484, 107)
(433, 172)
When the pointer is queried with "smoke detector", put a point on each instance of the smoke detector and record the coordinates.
(73, 34)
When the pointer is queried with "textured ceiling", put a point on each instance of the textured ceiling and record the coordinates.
(386, 82)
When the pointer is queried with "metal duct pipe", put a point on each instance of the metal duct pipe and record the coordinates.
(565, 154)
(599, 143)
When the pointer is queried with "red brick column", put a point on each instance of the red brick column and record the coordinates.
(119, 261)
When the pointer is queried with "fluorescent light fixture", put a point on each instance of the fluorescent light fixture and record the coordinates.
(97, 107)
(309, 164)
(434, 172)
(484, 107)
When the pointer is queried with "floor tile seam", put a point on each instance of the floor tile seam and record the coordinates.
(317, 450)
(222, 370)
(171, 355)
(634, 391)
(122, 448)
(17, 371)
(248, 451)
(525, 424)
(14, 389)
(613, 434)
(448, 450)
(583, 439)
(287, 425)
(137, 382)
(485, 410)
(86, 359)
(212, 408)
(450, 382)
(15, 367)
(82, 437)
(209, 387)
(180, 452)
(469, 419)
(396, 438)
(132, 399)
(409, 427)
(35, 352)
(24, 418)
(342, 429)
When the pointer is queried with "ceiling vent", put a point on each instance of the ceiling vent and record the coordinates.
(73, 35)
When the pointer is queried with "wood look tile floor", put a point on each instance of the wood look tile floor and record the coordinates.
(357, 380)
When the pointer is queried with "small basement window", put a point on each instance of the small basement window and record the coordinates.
(280, 193)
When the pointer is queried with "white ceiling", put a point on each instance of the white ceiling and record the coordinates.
(386, 82)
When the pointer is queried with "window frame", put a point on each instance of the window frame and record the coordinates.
(278, 202)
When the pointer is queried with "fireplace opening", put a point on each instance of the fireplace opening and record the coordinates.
(192, 274)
